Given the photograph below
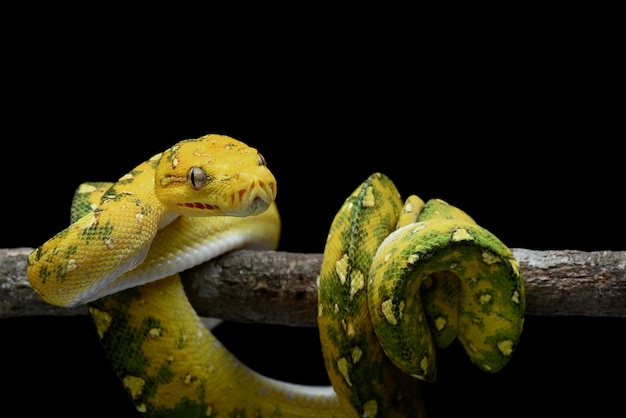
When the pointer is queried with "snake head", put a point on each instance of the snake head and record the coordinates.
(214, 175)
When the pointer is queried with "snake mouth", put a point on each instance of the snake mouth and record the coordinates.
(199, 205)
(252, 199)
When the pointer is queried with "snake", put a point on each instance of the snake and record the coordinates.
(398, 280)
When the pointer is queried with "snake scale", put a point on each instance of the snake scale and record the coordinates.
(399, 279)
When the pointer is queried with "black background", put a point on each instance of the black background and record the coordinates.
(523, 135)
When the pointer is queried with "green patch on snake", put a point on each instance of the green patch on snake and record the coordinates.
(130, 361)
(114, 195)
(44, 273)
(129, 177)
(70, 251)
(149, 325)
(97, 231)
(187, 408)
(496, 352)
(164, 374)
(181, 339)
(155, 160)
(442, 306)
(172, 153)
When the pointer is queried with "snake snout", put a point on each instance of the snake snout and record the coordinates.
(253, 195)
(259, 196)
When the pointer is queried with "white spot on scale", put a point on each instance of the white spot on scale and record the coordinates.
(342, 365)
(484, 298)
(71, 265)
(461, 234)
(349, 329)
(357, 282)
(440, 323)
(505, 347)
(369, 201)
(357, 353)
(387, 308)
(515, 297)
(341, 268)
(86, 188)
(489, 258)
(110, 242)
(424, 364)
(134, 385)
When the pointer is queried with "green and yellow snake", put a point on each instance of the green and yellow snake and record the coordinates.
(398, 280)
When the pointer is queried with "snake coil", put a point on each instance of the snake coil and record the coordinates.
(400, 279)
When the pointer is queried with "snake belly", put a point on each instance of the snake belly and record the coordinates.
(121, 256)
(401, 279)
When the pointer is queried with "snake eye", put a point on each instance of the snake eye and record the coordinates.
(261, 159)
(196, 177)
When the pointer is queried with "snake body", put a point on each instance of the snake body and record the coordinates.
(398, 280)
(128, 240)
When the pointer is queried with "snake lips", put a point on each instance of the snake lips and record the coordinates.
(252, 200)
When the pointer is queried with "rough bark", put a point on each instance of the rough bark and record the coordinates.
(280, 287)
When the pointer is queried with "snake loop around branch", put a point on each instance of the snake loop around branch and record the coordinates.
(401, 279)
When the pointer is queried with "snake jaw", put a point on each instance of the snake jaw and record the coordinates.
(251, 200)
(200, 206)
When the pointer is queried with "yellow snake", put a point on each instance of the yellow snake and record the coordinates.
(202, 197)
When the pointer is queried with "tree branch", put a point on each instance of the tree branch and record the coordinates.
(280, 287)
